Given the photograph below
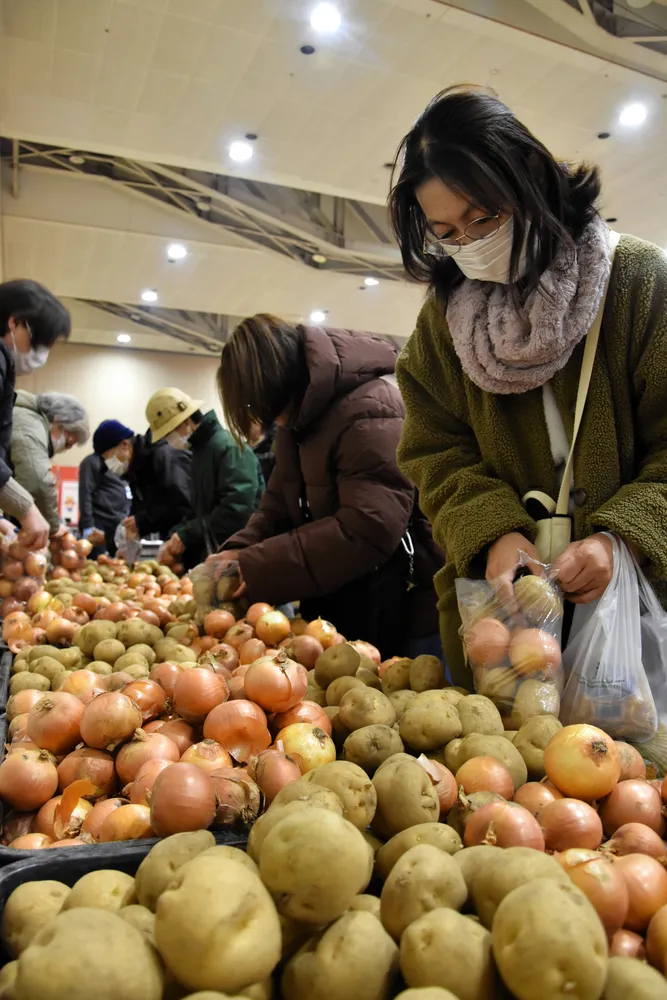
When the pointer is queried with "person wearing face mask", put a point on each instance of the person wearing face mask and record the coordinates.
(44, 426)
(226, 478)
(521, 267)
(31, 320)
(158, 476)
(104, 501)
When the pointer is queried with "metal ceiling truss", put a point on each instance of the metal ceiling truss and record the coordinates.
(197, 329)
(630, 20)
(287, 221)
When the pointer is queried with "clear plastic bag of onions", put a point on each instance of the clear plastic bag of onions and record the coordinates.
(22, 575)
(511, 638)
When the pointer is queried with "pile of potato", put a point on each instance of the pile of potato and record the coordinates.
(314, 911)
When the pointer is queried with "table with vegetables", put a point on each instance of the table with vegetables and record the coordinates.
(396, 837)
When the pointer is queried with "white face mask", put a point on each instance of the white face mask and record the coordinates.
(30, 361)
(59, 442)
(489, 259)
(178, 440)
(115, 465)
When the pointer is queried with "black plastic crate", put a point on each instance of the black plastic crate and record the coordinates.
(6, 660)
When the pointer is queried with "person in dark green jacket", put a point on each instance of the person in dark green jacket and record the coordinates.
(226, 479)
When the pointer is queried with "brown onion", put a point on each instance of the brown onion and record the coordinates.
(238, 798)
(656, 940)
(31, 842)
(272, 770)
(324, 632)
(223, 657)
(272, 627)
(140, 789)
(646, 880)
(444, 783)
(534, 796)
(154, 726)
(25, 587)
(237, 635)
(142, 748)
(28, 779)
(44, 820)
(305, 649)
(307, 745)
(129, 822)
(218, 623)
(22, 702)
(54, 722)
(116, 612)
(636, 838)
(504, 824)
(118, 680)
(183, 798)
(60, 632)
(485, 774)
(18, 727)
(240, 726)
(236, 682)
(276, 684)
(108, 720)
(632, 801)
(72, 809)
(180, 732)
(83, 684)
(76, 615)
(95, 765)
(251, 650)
(208, 755)
(35, 564)
(627, 944)
(255, 612)
(149, 697)
(198, 692)
(18, 825)
(583, 762)
(601, 883)
(569, 823)
(95, 819)
(461, 812)
(166, 674)
(305, 711)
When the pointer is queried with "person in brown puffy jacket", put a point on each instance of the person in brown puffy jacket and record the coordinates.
(338, 527)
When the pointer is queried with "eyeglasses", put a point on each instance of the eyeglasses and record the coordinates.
(480, 229)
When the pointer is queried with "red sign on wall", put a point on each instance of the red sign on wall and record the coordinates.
(67, 484)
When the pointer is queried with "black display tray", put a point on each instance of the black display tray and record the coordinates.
(6, 659)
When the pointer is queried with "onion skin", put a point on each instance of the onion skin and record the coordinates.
(646, 881)
(198, 692)
(166, 674)
(96, 765)
(323, 631)
(251, 650)
(54, 722)
(144, 747)
(208, 755)
(582, 762)
(636, 838)
(109, 720)
(305, 649)
(273, 627)
(570, 823)
(149, 696)
(305, 711)
(627, 944)
(183, 799)
(22, 703)
(632, 801)
(180, 732)
(238, 798)
(656, 940)
(95, 819)
(240, 727)
(83, 684)
(28, 779)
(255, 612)
(276, 684)
(141, 787)
(444, 783)
(485, 774)
(272, 770)
(503, 824)
(31, 842)
(534, 796)
(307, 745)
(129, 822)
(44, 820)
(19, 824)
(632, 762)
(218, 623)
(602, 884)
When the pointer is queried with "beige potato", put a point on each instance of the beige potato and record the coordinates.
(229, 853)
(339, 733)
(395, 757)
(479, 715)
(263, 826)
(163, 861)
(500, 874)
(509, 734)
(109, 650)
(426, 993)
(427, 673)
(100, 667)
(314, 692)
(304, 790)
(341, 660)
(216, 926)
(428, 723)
(118, 960)
(105, 889)
(364, 706)
(89, 635)
(129, 659)
(631, 979)
(446, 949)
(138, 671)
(397, 677)
(531, 741)
(368, 677)
(354, 958)
(48, 667)
(472, 860)
(405, 797)
(135, 631)
(70, 658)
(353, 787)
(146, 651)
(370, 746)
(28, 681)
(29, 907)
(367, 903)
(20, 666)
(534, 697)
(423, 879)
(400, 700)
(179, 654)
(548, 942)
(436, 835)
(339, 687)
(450, 755)
(141, 918)
(8, 975)
(315, 863)
(494, 746)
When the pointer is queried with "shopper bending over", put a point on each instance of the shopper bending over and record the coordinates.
(104, 501)
(336, 512)
(225, 477)
(31, 320)
(510, 241)
(44, 426)
(158, 476)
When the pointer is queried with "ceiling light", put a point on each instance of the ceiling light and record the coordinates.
(371, 282)
(124, 338)
(149, 295)
(176, 251)
(325, 17)
(318, 316)
(633, 115)
(240, 151)
(76, 160)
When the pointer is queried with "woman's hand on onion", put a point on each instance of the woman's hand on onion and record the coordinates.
(585, 569)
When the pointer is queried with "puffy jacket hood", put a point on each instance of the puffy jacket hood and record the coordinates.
(338, 362)
(26, 400)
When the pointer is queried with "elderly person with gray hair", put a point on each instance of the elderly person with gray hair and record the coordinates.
(44, 426)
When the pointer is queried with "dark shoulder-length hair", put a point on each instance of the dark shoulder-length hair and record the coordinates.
(263, 373)
(29, 302)
(476, 146)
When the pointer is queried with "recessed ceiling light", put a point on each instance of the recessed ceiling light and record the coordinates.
(319, 258)
(203, 204)
(176, 251)
(633, 115)
(240, 151)
(149, 295)
(318, 316)
(76, 160)
(124, 338)
(325, 17)
(371, 282)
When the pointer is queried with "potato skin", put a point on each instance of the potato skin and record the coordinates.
(364, 706)
(427, 673)
(425, 993)
(548, 942)
(340, 687)
(423, 879)
(352, 786)
(216, 926)
(105, 889)
(630, 979)
(435, 834)
(366, 903)
(400, 700)
(498, 876)
(531, 741)
(405, 797)
(479, 715)
(161, 864)
(354, 958)
(397, 676)
(338, 661)
(315, 863)
(263, 826)
(428, 723)
(494, 746)
(29, 907)
(371, 746)
(445, 949)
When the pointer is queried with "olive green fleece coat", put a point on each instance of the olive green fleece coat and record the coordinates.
(473, 455)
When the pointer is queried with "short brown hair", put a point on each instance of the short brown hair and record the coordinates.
(262, 373)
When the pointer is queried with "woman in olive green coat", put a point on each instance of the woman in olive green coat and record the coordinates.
(517, 259)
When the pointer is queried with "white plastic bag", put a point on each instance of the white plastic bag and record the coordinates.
(654, 645)
(606, 680)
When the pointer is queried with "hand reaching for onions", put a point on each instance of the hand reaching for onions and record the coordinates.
(505, 557)
(35, 530)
